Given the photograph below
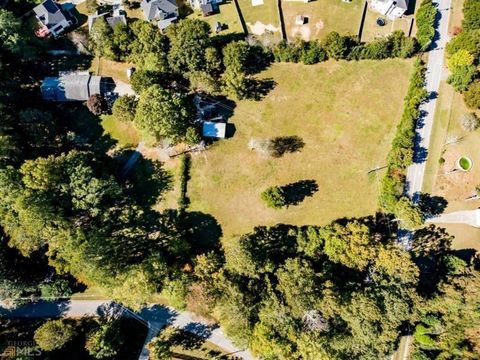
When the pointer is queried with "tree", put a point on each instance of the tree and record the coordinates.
(351, 245)
(92, 6)
(462, 76)
(203, 81)
(9, 31)
(54, 334)
(101, 39)
(235, 54)
(466, 40)
(472, 95)
(164, 114)
(122, 38)
(159, 349)
(471, 15)
(235, 82)
(425, 19)
(105, 341)
(274, 197)
(337, 46)
(149, 48)
(469, 122)
(124, 107)
(97, 105)
(53, 290)
(411, 216)
(143, 79)
(38, 127)
(188, 41)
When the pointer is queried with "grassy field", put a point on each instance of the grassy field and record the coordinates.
(371, 30)
(227, 16)
(124, 132)
(323, 17)
(261, 19)
(342, 113)
(109, 68)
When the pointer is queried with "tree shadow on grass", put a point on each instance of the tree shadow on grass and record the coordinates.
(259, 88)
(203, 231)
(296, 192)
(432, 205)
(281, 145)
(186, 339)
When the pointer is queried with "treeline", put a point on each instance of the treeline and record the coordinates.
(463, 56)
(401, 153)
(336, 46)
(425, 22)
(342, 291)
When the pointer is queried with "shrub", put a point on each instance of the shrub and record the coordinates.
(105, 341)
(54, 334)
(184, 176)
(469, 122)
(274, 197)
(285, 52)
(411, 216)
(467, 40)
(471, 15)
(58, 288)
(337, 46)
(425, 20)
(92, 6)
(124, 108)
(461, 58)
(192, 136)
(97, 104)
(312, 53)
(472, 95)
(461, 77)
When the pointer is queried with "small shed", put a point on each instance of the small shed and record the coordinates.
(214, 130)
(299, 20)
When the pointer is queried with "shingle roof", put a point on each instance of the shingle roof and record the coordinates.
(152, 8)
(49, 13)
(71, 86)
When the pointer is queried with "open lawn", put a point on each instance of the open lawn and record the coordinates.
(263, 19)
(109, 68)
(227, 16)
(345, 113)
(324, 16)
(124, 132)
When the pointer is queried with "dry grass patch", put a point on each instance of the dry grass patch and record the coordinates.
(346, 114)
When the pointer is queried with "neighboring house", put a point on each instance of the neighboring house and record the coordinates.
(214, 129)
(392, 9)
(72, 86)
(163, 12)
(113, 18)
(207, 7)
(53, 18)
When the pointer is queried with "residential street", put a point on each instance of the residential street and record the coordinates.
(156, 316)
(435, 72)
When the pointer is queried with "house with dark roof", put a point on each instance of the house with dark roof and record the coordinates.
(52, 17)
(207, 7)
(117, 16)
(162, 12)
(72, 86)
(392, 9)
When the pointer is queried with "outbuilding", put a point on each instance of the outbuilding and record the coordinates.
(214, 130)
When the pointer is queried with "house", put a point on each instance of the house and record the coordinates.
(72, 86)
(113, 18)
(163, 12)
(53, 18)
(214, 129)
(392, 9)
(207, 7)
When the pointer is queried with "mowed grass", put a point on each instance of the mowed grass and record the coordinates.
(256, 17)
(371, 30)
(123, 132)
(227, 16)
(324, 16)
(345, 112)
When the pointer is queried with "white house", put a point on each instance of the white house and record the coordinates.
(392, 9)
(52, 17)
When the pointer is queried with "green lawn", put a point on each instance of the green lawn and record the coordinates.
(371, 30)
(345, 113)
(124, 132)
(227, 16)
(324, 16)
(261, 19)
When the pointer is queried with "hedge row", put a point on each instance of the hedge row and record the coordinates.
(337, 47)
(425, 20)
(401, 153)
(184, 175)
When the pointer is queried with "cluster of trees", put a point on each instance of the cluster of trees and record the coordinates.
(463, 53)
(400, 155)
(343, 291)
(425, 21)
(336, 46)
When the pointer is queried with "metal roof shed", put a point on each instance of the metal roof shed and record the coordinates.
(214, 130)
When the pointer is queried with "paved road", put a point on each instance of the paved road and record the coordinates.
(435, 72)
(155, 316)
(467, 217)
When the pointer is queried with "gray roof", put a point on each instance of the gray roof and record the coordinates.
(153, 9)
(402, 4)
(111, 20)
(49, 13)
(71, 86)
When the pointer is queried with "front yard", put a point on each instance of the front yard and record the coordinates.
(342, 113)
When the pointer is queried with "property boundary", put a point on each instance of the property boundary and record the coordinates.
(281, 20)
(240, 17)
(362, 21)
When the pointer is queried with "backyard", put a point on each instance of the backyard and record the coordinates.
(227, 15)
(333, 107)
(323, 17)
(262, 18)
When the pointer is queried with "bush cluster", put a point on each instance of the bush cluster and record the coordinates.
(274, 197)
(425, 21)
(336, 46)
(401, 153)
(184, 174)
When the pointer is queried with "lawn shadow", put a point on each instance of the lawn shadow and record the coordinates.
(296, 192)
(259, 88)
(203, 231)
(281, 145)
